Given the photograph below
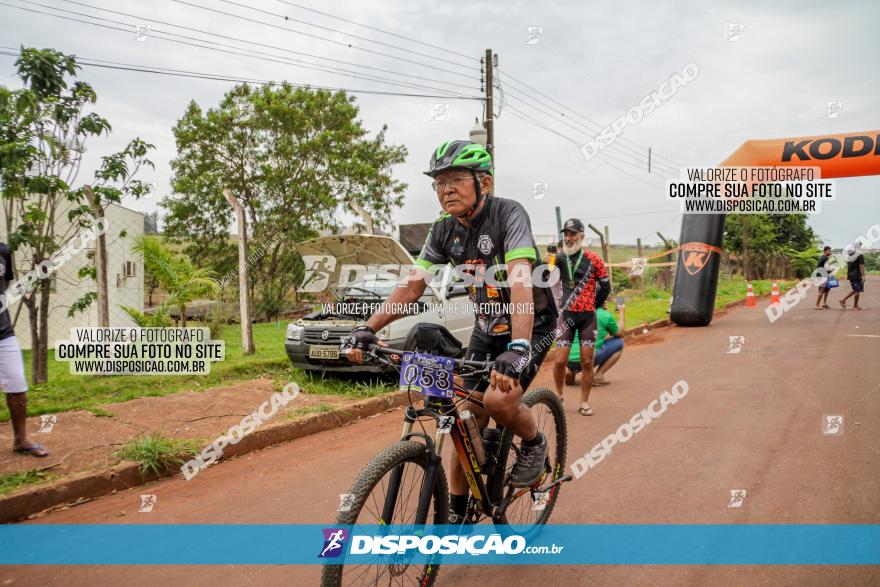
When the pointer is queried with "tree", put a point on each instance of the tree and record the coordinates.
(177, 275)
(44, 127)
(151, 223)
(762, 239)
(295, 159)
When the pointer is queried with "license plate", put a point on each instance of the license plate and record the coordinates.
(323, 352)
(428, 374)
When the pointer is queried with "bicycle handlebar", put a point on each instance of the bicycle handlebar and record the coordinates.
(470, 366)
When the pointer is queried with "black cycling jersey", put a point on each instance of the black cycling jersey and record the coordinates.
(500, 233)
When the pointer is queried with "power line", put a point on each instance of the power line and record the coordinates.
(332, 30)
(237, 39)
(641, 164)
(607, 156)
(522, 116)
(89, 62)
(641, 159)
(349, 45)
(278, 59)
(372, 28)
(600, 126)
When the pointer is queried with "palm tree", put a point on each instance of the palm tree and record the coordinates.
(176, 274)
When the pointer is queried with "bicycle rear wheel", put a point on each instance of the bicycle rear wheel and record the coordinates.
(529, 508)
(370, 489)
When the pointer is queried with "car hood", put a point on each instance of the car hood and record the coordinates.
(357, 249)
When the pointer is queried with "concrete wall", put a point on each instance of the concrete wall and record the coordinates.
(124, 226)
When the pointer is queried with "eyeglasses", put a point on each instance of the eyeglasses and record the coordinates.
(454, 183)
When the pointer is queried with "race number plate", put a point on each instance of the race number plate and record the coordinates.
(427, 374)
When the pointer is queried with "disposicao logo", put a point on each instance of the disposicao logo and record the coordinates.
(334, 542)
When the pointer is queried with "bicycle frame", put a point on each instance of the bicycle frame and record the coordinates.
(436, 407)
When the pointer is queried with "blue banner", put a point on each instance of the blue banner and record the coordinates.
(172, 544)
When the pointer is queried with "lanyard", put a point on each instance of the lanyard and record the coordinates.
(571, 273)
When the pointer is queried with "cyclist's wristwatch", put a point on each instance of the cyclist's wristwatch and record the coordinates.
(519, 344)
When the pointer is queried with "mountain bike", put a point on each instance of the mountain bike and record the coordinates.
(405, 484)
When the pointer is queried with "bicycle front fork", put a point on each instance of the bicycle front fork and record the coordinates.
(435, 462)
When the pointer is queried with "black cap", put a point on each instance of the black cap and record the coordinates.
(572, 225)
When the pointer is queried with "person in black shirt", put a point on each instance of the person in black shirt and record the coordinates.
(822, 301)
(855, 272)
(12, 379)
(476, 232)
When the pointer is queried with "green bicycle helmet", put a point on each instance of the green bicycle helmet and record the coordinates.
(466, 156)
(460, 155)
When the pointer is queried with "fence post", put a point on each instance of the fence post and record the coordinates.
(642, 276)
(100, 261)
(602, 238)
(244, 294)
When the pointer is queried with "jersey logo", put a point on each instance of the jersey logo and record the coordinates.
(457, 247)
(485, 244)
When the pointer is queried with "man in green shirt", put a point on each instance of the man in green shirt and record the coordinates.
(609, 346)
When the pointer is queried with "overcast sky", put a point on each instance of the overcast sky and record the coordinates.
(772, 79)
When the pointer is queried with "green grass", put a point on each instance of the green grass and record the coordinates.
(349, 386)
(655, 304)
(156, 452)
(320, 408)
(9, 483)
(66, 392)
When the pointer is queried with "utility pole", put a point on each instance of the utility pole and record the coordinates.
(649, 159)
(490, 104)
(244, 292)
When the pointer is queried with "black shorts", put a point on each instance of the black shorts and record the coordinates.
(485, 348)
(857, 285)
(584, 323)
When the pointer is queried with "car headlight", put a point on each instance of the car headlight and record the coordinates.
(384, 333)
(294, 332)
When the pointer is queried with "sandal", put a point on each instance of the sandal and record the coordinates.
(842, 304)
(600, 382)
(588, 411)
(35, 450)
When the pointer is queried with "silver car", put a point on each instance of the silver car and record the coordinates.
(313, 341)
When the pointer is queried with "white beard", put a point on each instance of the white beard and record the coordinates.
(573, 248)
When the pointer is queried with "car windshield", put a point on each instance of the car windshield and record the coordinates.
(374, 288)
(370, 290)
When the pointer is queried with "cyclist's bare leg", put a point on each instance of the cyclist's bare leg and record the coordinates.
(560, 359)
(508, 410)
(586, 375)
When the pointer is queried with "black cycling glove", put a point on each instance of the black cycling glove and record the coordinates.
(511, 362)
(361, 337)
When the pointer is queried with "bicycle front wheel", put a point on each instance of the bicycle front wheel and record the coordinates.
(369, 497)
(529, 508)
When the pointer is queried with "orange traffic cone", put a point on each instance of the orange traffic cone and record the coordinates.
(750, 297)
(774, 294)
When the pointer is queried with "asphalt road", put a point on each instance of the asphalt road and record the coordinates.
(751, 421)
